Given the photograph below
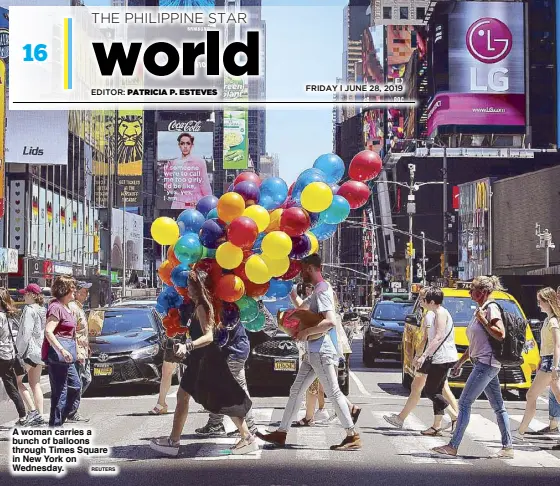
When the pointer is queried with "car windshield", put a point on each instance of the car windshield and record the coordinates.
(462, 309)
(392, 311)
(115, 322)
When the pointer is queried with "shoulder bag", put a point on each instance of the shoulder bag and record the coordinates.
(425, 368)
(19, 365)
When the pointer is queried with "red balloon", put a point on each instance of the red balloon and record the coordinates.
(365, 166)
(230, 288)
(356, 193)
(243, 232)
(211, 267)
(248, 176)
(293, 271)
(255, 290)
(295, 221)
(240, 272)
(291, 189)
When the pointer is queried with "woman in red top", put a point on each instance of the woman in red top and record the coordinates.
(59, 351)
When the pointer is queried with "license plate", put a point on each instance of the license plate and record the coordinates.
(107, 371)
(285, 365)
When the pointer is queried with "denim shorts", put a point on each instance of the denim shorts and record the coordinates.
(546, 364)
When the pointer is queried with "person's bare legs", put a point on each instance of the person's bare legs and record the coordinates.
(540, 383)
(448, 395)
(166, 376)
(241, 425)
(24, 392)
(180, 415)
(34, 377)
(416, 388)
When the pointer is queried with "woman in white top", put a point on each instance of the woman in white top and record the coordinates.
(442, 353)
(548, 373)
(419, 381)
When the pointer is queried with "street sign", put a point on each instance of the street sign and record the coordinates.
(396, 285)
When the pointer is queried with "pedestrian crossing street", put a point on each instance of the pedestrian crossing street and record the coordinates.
(129, 438)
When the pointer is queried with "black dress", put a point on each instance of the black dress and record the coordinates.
(209, 381)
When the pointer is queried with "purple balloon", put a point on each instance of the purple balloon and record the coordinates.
(301, 246)
(248, 191)
(335, 188)
(314, 217)
(206, 204)
(291, 203)
(212, 234)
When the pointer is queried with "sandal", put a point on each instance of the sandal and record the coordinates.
(355, 413)
(158, 410)
(432, 432)
(304, 422)
(445, 450)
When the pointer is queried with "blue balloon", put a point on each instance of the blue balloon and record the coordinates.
(206, 204)
(274, 192)
(212, 214)
(212, 234)
(180, 275)
(337, 212)
(190, 221)
(332, 166)
(305, 178)
(188, 248)
(315, 219)
(230, 315)
(324, 231)
(161, 309)
(257, 247)
(279, 289)
(169, 299)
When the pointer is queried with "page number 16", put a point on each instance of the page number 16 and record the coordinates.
(37, 53)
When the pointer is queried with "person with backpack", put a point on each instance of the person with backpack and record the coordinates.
(486, 326)
(548, 373)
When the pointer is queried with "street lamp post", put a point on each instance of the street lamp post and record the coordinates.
(423, 258)
(411, 210)
(445, 225)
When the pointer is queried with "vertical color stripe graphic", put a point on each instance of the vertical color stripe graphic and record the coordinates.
(67, 53)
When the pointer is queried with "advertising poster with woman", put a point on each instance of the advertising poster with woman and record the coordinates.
(185, 156)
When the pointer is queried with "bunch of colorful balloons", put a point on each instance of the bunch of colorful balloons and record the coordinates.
(251, 240)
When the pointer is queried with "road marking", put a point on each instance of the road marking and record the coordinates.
(534, 425)
(487, 433)
(359, 384)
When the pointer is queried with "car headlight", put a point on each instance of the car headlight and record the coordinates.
(530, 344)
(146, 352)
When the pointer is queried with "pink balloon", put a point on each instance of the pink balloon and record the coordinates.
(365, 166)
(356, 193)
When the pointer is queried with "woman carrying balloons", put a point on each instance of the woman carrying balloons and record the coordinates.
(207, 378)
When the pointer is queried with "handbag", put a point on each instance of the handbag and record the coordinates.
(19, 364)
(56, 357)
(425, 368)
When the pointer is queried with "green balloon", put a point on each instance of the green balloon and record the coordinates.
(256, 324)
(248, 309)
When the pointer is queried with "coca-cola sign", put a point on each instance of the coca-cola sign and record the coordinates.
(185, 126)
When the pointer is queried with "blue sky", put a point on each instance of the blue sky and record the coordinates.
(304, 45)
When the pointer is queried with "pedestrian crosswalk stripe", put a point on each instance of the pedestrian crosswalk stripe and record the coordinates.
(534, 425)
(487, 433)
(407, 443)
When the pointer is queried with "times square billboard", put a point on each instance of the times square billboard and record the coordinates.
(478, 66)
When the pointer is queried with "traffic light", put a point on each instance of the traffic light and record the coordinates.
(409, 250)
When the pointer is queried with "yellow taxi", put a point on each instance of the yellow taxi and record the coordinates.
(458, 302)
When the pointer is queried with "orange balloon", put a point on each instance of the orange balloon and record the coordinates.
(183, 292)
(164, 272)
(256, 290)
(230, 206)
(275, 217)
(171, 255)
(230, 288)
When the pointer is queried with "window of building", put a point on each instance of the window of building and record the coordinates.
(403, 13)
(387, 12)
(420, 13)
(413, 39)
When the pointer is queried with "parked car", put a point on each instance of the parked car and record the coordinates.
(127, 345)
(459, 304)
(274, 358)
(383, 335)
(135, 302)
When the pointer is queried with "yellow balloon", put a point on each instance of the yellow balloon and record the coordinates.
(165, 231)
(259, 215)
(274, 220)
(230, 206)
(277, 245)
(257, 270)
(314, 242)
(316, 197)
(229, 256)
(276, 267)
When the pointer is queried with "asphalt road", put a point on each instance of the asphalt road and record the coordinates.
(121, 422)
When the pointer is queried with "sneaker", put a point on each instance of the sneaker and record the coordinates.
(276, 438)
(235, 433)
(210, 430)
(22, 422)
(394, 420)
(546, 431)
(518, 438)
(77, 417)
(350, 443)
(245, 446)
(35, 419)
(321, 415)
(165, 445)
(506, 453)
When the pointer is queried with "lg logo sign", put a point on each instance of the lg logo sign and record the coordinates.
(489, 41)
